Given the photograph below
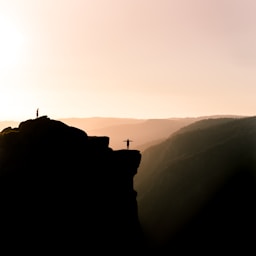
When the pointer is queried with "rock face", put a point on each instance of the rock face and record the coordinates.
(65, 190)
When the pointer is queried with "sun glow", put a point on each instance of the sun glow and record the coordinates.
(11, 42)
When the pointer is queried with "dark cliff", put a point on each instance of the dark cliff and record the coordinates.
(65, 190)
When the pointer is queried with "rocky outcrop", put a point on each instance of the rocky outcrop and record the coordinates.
(65, 190)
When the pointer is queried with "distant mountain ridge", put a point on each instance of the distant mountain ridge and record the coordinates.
(143, 132)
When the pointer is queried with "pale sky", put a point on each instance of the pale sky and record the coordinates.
(127, 58)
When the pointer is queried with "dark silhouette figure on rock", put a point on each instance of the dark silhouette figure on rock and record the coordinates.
(127, 143)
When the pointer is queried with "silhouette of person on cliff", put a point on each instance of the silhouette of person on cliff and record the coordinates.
(37, 113)
(127, 143)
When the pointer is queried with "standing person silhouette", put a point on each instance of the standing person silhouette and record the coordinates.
(37, 113)
(127, 143)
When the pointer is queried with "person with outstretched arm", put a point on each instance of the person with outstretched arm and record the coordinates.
(127, 143)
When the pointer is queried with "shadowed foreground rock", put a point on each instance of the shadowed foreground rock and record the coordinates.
(62, 190)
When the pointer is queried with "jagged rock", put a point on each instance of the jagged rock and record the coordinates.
(67, 189)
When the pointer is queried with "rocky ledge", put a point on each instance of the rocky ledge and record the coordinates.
(65, 190)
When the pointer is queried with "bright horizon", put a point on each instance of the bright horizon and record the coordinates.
(127, 59)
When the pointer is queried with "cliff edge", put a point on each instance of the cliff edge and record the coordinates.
(65, 190)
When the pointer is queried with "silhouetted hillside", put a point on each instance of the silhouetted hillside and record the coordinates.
(197, 189)
(65, 191)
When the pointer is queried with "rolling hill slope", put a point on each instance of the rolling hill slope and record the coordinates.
(198, 187)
